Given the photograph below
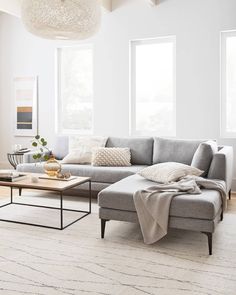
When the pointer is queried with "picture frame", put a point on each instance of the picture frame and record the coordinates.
(26, 106)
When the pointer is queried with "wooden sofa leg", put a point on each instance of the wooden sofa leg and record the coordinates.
(209, 237)
(20, 191)
(103, 226)
(222, 216)
(230, 195)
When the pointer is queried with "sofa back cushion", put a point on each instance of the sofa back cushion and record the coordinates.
(174, 150)
(141, 148)
(61, 147)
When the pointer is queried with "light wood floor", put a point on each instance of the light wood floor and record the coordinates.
(232, 204)
(5, 192)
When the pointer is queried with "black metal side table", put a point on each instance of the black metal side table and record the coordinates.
(15, 159)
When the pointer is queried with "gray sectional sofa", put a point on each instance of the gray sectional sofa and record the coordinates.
(116, 185)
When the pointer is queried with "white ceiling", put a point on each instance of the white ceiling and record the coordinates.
(13, 6)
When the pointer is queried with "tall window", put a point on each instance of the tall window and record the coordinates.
(153, 87)
(228, 84)
(75, 89)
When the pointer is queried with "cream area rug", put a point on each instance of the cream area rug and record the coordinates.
(76, 261)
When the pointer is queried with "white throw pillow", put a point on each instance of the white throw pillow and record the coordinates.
(77, 156)
(86, 142)
(111, 157)
(81, 148)
(168, 172)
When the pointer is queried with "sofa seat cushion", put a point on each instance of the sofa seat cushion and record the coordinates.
(97, 174)
(120, 196)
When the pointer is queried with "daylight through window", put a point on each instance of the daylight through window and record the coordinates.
(153, 87)
(228, 84)
(75, 93)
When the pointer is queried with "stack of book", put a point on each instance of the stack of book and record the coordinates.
(11, 176)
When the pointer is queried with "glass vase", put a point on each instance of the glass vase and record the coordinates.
(52, 167)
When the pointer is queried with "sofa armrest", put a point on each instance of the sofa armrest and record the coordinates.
(28, 157)
(222, 166)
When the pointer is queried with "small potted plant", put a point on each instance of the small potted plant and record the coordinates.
(52, 167)
(41, 143)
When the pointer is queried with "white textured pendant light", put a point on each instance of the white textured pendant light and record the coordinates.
(62, 19)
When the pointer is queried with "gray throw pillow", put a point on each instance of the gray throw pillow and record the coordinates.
(203, 156)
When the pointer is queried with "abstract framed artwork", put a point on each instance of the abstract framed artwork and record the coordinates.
(26, 106)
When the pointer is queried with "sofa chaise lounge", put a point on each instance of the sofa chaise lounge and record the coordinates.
(116, 185)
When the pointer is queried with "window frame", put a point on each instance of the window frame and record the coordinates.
(223, 82)
(59, 127)
(132, 100)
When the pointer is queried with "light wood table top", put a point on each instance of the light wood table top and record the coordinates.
(46, 184)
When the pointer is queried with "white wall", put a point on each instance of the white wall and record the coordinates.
(197, 26)
(12, 6)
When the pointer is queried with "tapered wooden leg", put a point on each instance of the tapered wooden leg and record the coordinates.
(103, 226)
(20, 191)
(230, 195)
(209, 237)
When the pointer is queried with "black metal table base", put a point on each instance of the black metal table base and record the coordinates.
(61, 209)
(15, 159)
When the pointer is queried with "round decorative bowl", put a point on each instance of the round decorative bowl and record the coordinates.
(52, 167)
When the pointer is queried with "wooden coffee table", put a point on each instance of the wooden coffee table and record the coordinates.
(58, 186)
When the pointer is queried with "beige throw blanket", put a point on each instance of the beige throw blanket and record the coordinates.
(153, 204)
